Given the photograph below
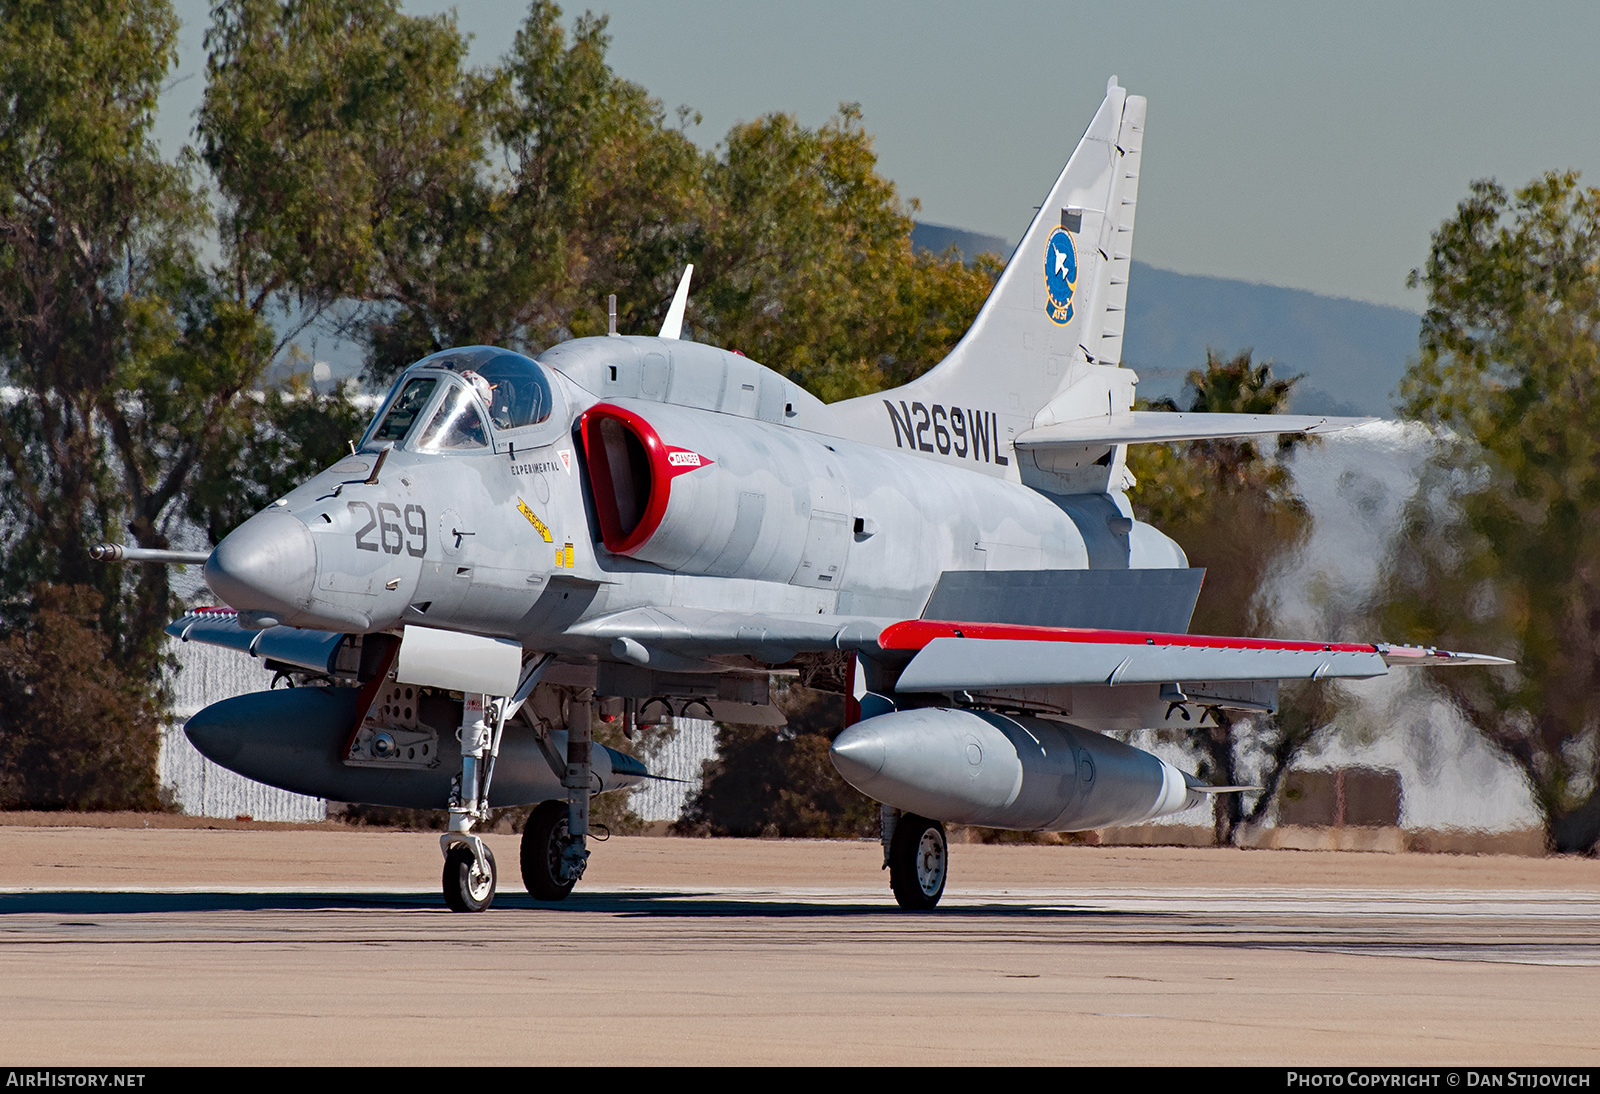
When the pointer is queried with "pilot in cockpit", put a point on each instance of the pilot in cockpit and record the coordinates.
(511, 387)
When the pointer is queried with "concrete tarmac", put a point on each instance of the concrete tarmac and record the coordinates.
(318, 946)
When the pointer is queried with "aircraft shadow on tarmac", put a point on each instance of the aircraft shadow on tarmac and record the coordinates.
(664, 903)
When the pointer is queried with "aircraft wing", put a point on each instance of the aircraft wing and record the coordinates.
(666, 638)
(637, 634)
(944, 655)
(1146, 426)
(951, 656)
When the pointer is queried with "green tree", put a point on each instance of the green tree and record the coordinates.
(801, 249)
(92, 257)
(129, 369)
(346, 144)
(366, 172)
(1233, 509)
(808, 262)
(76, 731)
(294, 433)
(1499, 549)
(602, 189)
(133, 363)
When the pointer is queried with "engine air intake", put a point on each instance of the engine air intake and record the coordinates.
(631, 472)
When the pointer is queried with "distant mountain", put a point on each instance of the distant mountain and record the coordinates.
(1351, 354)
(939, 238)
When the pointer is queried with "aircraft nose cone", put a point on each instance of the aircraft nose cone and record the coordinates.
(858, 755)
(267, 564)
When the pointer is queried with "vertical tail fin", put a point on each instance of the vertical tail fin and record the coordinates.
(1050, 333)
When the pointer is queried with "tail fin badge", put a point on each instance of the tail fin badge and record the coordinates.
(1060, 276)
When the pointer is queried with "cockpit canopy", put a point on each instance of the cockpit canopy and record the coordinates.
(520, 392)
(513, 389)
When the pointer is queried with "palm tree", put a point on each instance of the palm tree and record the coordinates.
(1234, 510)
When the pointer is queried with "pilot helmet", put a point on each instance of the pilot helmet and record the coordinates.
(480, 385)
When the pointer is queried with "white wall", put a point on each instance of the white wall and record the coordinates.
(680, 758)
(205, 675)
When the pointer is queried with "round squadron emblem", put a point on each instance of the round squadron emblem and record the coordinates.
(1060, 276)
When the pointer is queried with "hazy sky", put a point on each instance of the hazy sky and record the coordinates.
(1308, 145)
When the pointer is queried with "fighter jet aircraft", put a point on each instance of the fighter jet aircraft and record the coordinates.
(649, 526)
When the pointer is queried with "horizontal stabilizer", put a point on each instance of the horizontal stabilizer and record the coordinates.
(1146, 426)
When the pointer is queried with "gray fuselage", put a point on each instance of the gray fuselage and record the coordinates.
(762, 511)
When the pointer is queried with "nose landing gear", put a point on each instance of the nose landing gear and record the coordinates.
(469, 876)
(469, 870)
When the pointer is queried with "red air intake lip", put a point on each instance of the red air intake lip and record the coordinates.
(651, 464)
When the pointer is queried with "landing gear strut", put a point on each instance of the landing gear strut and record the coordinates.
(579, 776)
(469, 870)
(553, 843)
(919, 859)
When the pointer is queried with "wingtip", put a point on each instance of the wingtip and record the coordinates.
(1336, 425)
(1410, 656)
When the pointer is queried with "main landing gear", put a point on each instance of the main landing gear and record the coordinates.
(917, 853)
(544, 847)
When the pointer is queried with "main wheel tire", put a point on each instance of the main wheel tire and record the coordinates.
(467, 888)
(543, 841)
(919, 860)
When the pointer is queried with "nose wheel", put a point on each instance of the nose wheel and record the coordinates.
(919, 859)
(468, 881)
